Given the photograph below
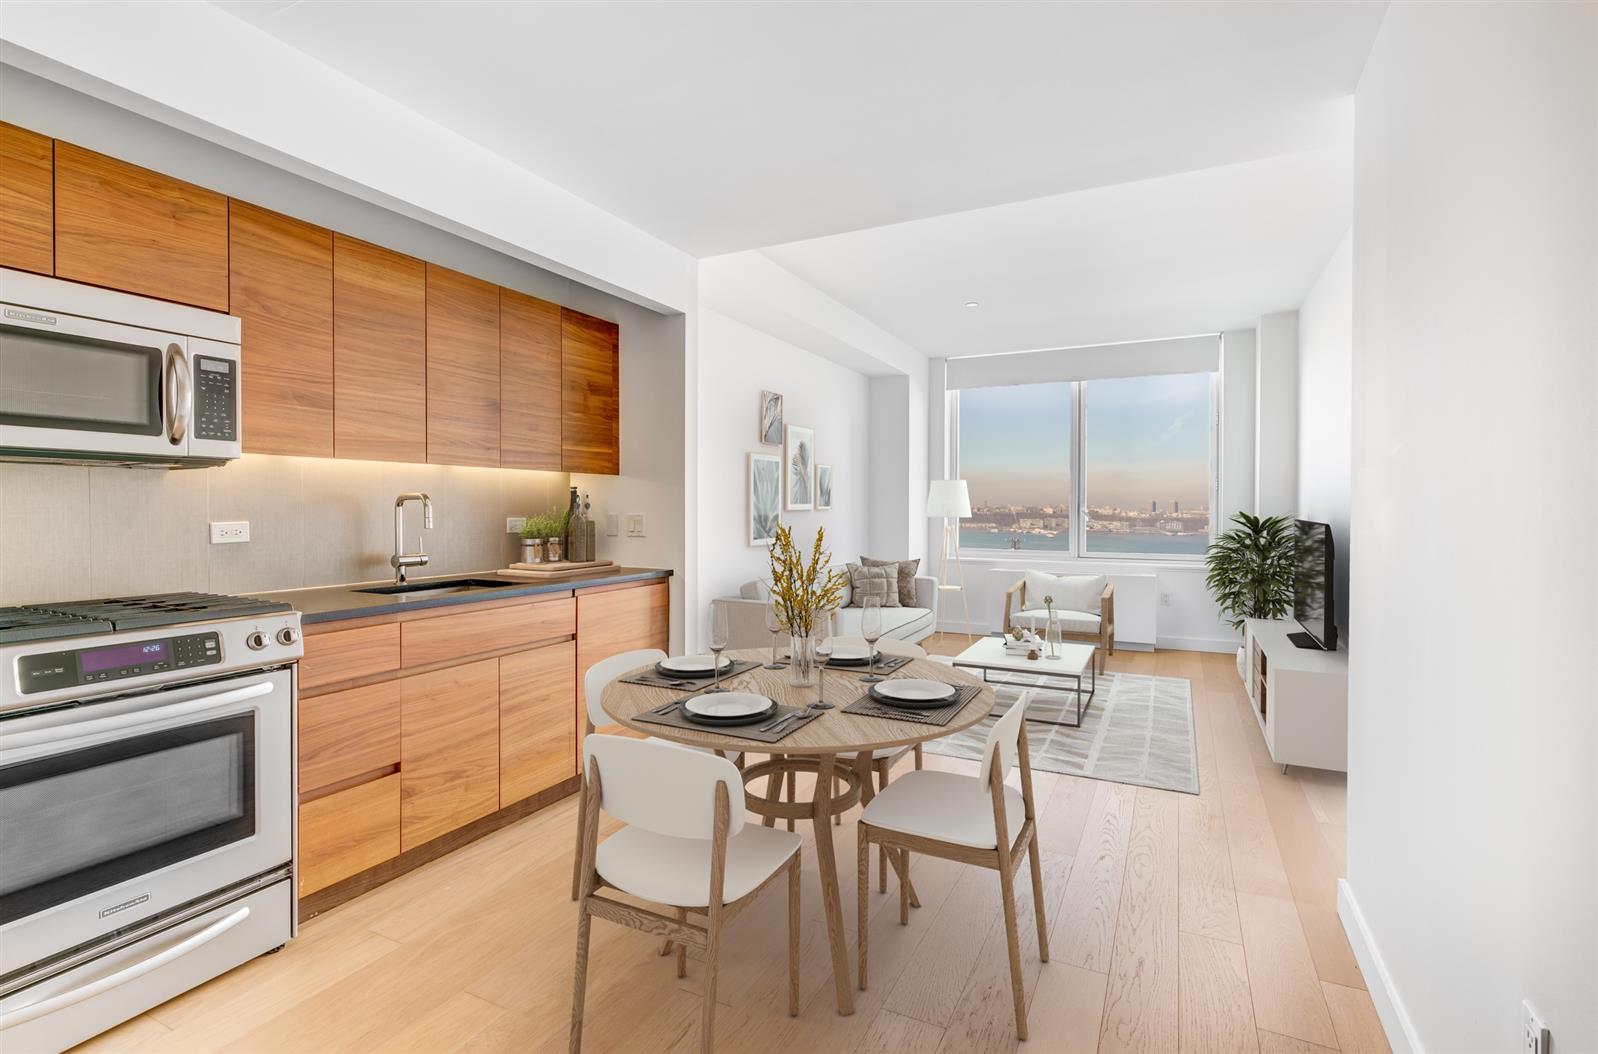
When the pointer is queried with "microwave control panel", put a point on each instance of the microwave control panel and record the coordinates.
(85, 666)
(216, 398)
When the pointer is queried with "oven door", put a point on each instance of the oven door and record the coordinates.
(117, 811)
(79, 385)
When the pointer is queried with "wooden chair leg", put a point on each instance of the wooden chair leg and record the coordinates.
(793, 792)
(580, 980)
(882, 869)
(577, 856)
(682, 949)
(712, 953)
(862, 911)
(793, 936)
(918, 755)
(1037, 897)
(1012, 940)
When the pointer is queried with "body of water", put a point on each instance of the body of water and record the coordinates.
(1098, 544)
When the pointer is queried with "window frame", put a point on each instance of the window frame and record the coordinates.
(1078, 489)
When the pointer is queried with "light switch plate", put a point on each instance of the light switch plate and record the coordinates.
(514, 524)
(635, 525)
(225, 532)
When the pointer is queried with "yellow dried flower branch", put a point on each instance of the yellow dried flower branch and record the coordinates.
(800, 590)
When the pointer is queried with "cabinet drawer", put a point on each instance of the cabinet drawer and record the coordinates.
(346, 654)
(345, 833)
(348, 734)
(429, 640)
(537, 720)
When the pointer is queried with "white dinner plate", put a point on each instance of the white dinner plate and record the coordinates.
(851, 652)
(693, 663)
(914, 690)
(727, 705)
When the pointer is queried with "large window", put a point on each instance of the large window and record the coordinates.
(1119, 467)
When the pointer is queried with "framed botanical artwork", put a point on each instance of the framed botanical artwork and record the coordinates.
(823, 486)
(765, 497)
(799, 468)
(771, 418)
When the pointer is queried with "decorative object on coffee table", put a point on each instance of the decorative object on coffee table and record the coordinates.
(765, 497)
(771, 418)
(950, 499)
(802, 592)
(799, 468)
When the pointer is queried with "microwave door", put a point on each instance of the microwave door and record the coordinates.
(74, 385)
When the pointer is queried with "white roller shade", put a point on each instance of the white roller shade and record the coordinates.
(1141, 359)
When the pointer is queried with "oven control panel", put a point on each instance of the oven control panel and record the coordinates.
(112, 662)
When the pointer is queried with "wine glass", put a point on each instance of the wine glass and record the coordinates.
(774, 626)
(718, 640)
(824, 641)
(871, 630)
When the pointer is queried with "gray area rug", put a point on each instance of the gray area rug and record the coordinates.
(1138, 729)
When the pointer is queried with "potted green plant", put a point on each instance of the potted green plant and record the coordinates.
(1251, 569)
(535, 533)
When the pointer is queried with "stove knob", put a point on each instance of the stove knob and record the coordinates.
(286, 635)
(256, 641)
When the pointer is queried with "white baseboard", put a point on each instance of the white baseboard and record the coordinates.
(1400, 1029)
(1224, 647)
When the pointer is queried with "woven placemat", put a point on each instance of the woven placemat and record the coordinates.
(673, 718)
(651, 679)
(865, 706)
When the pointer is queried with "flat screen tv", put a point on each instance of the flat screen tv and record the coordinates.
(1313, 605)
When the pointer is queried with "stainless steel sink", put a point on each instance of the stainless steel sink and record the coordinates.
(420, 590)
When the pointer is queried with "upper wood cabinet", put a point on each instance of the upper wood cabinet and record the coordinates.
(27, 200)
(462, 369)
(449, 749)
(529, 382)
(590, 395)
(281, 286)
(128, 228)
(379, 353)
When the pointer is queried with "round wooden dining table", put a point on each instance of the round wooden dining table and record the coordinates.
(812, 748)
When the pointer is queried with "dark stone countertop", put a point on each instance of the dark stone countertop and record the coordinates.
(333, 603)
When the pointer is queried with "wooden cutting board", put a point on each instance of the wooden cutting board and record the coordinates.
(556, 571)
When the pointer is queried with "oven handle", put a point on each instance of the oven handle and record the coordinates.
(22, 1015)
(65, 735)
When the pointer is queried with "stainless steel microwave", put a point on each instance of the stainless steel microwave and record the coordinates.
(90, 375)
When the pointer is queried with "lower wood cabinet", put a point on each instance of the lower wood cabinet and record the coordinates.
(349, 734)
(537, 721)
(344, 833)
(613, 620)
(449, 749)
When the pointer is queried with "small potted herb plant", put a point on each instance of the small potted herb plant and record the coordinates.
(535, 532)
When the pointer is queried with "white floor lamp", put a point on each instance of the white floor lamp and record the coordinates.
(949, 499)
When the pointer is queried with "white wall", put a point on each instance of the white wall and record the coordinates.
(736, 362)
(1237, 424)
(1276, 415)
(1325, 353)
(1473, 731)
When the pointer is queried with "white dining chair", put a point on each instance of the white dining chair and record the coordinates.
(598, 676)
(685, 845)
(981, 821)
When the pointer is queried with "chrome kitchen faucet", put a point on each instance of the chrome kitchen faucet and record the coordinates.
(401, 559)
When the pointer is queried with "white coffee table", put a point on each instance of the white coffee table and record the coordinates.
(1074, 662)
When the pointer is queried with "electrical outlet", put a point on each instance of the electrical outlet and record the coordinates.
(635, 525)
(1536, 1039)
(225, 532)
(612, 525)
(514, 524)
(1165, 600)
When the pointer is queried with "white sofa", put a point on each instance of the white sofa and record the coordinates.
(746, 615)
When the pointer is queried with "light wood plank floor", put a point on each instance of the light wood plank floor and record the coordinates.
(1177, 923)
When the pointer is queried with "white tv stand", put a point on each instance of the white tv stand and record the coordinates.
(1299, 696)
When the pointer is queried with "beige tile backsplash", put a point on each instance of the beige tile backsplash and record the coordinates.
(70, 532)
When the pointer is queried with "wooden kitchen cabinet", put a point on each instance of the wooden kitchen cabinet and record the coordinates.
(462, 369)
(449, 749)
(344, 833)
(349, 734)
(335, 656)
(529, 382)
(281, 286)
(614, 619)
(379, 353)
(430, 640)
(537, 720)
(128, 228)
(590, 394)
(27, 200)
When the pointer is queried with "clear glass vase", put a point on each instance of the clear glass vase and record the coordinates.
(801, 660)
(1051, 637)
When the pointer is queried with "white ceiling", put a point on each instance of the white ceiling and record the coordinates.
(720, 127)
(1199, 252)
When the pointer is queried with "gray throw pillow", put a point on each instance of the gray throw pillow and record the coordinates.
(879, 582)
(907, 577)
